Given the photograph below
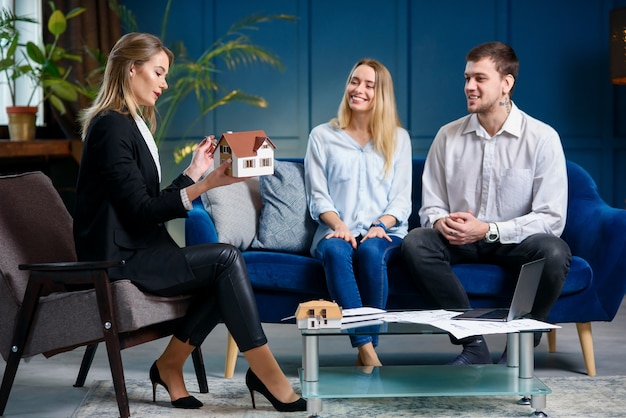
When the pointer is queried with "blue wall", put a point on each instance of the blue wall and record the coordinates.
(562, 46)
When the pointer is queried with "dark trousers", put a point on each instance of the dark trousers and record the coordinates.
(221, 292)
(429, 257)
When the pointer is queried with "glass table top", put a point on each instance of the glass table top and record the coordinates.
(380, 327)
(377, 327)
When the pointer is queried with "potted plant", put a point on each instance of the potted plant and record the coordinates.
(21, 118)
(42, 65)
(196, 77)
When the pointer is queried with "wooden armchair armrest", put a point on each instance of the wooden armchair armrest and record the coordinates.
(71, 266)
(67, 276)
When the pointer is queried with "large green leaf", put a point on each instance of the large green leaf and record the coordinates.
(50, 69)
(58, 104)
(57, 24)
(6, 64)
(72, 57)
(12, 47)
(75, 12)
(35, 54)
(63, 89)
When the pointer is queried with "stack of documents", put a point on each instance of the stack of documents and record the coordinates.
(356, 317)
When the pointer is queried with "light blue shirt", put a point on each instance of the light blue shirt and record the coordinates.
(345, 178)
(517, 178)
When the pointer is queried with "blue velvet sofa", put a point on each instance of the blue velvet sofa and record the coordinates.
(593, 291)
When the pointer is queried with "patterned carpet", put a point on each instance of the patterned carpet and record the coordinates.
(571, 397)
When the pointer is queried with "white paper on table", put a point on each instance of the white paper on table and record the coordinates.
(465, 328)
(366, 310)
(419, 317)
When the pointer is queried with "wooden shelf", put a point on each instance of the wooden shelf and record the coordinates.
(59, 159)
(46, 148)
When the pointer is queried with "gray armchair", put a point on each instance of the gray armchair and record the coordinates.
(49, 303)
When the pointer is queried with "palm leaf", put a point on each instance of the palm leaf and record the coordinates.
(129, 22)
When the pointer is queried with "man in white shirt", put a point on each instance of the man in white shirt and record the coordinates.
(494, 191)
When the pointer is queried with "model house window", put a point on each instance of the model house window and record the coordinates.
(29, 32)
(250, 163)
(266, 162)
(225, 149)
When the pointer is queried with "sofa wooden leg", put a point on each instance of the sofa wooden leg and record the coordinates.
(231, 357)
(586, 343)
(552, 341)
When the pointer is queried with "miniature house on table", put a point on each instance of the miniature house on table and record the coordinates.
(252, 153)
(318, 314)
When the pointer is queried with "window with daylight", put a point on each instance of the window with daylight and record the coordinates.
(29, 32)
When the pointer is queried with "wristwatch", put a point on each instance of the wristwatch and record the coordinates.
(493, 235)
(380, 224)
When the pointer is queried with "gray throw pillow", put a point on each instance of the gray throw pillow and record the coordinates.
(235, 210)
(285, 223)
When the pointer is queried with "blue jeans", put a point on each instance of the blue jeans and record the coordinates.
(357, 278)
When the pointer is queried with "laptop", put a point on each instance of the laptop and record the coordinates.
(523, 297)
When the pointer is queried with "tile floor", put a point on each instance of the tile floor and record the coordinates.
(43, 387)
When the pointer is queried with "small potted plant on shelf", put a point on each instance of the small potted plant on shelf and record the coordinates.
(42, 65)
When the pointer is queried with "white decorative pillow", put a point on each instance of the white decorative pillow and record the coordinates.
(235, 210)
(285, 223)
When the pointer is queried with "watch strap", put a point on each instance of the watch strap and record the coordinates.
(493, 234)
(380, 224)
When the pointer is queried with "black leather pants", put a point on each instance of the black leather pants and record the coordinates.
(221, 292)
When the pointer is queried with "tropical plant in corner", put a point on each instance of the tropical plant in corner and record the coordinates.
(189, 76)
(10, 65)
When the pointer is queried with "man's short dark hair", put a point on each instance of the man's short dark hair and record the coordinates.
(500, 53)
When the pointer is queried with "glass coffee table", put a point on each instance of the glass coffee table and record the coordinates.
(516, 378)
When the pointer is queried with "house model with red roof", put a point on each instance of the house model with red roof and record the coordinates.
(251, 152)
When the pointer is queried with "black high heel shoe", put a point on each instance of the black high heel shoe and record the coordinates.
(255, 384)
(188, 402)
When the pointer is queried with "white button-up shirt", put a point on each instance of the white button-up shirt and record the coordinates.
(343, 177)
(517, 178)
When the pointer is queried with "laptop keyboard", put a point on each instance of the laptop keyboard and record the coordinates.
(495, 314)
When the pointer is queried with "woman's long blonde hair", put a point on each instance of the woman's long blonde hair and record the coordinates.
(115, 92)
(384, 121)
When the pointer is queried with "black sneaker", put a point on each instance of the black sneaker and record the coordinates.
(475, 352)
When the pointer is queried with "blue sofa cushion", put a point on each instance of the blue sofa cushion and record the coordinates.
(284, 223)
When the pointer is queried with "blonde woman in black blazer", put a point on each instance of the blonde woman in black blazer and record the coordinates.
(121, 212)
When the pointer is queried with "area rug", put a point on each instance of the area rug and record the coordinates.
(571, 397)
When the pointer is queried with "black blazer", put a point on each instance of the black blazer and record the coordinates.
(120, 210)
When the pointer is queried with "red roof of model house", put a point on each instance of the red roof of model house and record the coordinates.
(246, 144)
